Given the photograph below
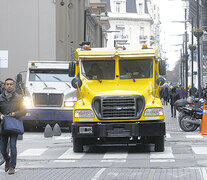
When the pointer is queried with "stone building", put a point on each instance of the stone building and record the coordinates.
(133, 23)
(44, 30)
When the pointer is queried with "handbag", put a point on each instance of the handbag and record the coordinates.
(12, 125)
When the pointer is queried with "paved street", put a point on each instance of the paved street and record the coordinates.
(185, 157)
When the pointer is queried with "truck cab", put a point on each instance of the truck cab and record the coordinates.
(117, 97)
(49, 97)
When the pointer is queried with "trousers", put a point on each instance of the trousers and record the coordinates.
(12, 159)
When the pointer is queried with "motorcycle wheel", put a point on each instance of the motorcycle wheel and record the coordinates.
(186, 126)
(1, 159)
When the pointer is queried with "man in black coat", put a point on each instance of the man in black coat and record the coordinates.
(174, 96)
(10, 104)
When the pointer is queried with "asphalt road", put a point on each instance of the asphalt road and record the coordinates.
(185, 157)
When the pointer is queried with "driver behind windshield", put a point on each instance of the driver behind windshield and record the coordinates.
(95, 72)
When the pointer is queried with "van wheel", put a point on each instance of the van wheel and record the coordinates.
(77, 145)
(159, 144)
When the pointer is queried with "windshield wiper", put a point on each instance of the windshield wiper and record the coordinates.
(61, 81)
(132, 76)
(41, 80)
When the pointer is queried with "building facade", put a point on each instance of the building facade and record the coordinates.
(44, 30)
(133, 23)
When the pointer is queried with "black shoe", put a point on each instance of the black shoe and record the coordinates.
(6, 168)
(11, 171)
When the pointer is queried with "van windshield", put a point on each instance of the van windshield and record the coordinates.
(98, 69)
(136, 68)
(49, 75)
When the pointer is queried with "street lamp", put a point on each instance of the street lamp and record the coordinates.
(198, 36)
(185, 54)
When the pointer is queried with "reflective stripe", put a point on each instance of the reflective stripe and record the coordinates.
(204, 111)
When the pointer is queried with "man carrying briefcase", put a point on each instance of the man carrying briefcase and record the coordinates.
(11, 104)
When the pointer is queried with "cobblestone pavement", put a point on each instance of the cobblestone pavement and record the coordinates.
(52, 158)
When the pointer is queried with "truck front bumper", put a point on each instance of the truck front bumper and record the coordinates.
(123, 129)
(48, 115)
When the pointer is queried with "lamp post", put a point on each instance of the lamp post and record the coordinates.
(192, 48)
(198, 33)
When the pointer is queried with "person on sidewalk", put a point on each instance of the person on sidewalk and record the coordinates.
(174, 96)
(11, 104)
(165, 94)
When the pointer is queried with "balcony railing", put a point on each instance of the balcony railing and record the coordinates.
(142, 37)
(120, 36)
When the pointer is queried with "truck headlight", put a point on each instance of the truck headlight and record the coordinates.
(69, 103)
(154, 112)
(27, 102)
(84, 114)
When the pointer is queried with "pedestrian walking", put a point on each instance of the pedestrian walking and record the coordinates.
(174, 96)
(11, 104)
(181, 92)
(165, 94)
(193, 91)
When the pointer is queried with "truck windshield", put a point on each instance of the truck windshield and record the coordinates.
(98, 69)
(136, 68)
(47, 75)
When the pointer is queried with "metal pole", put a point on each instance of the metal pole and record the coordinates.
(192, 52)
(198, 44)
(186, 55)
(183, 84)
(181, 69)
(84, 28)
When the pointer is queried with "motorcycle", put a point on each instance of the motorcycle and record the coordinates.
(190, 115)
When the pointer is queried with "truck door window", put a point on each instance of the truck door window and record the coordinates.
(98, 69)
(47, 75)
(136, 68)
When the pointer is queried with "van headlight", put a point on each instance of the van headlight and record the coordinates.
(154, 112)
(84, 114)
(27, 102)
(69, 103)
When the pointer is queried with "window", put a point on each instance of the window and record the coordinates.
(142, 31)
(140, 8)
(118, 6)
(136, 68)
(49, 75)
(98, 69)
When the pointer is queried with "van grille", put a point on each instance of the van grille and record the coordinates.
(118, 107)
(47, 99)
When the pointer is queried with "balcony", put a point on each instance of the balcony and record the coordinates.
(143, 37)
(120, 36)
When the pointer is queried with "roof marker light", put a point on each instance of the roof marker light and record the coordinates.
(144, 46)
(88, 47)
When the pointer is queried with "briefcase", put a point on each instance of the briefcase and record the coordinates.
(12, 125)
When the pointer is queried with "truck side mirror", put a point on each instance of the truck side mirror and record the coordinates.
(75, 81)
(71, 72)
(162, 67)
(19, 78)
(160, 81)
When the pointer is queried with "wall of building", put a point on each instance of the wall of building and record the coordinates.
(27, 32)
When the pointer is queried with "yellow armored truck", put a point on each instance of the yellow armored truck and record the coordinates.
(117, 97)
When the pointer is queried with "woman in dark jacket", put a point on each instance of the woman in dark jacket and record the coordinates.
(174, 96)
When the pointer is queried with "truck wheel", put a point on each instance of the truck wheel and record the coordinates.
(77, 145)
(159, 144)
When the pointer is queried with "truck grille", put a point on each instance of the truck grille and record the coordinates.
(46, 99)
(118, 107)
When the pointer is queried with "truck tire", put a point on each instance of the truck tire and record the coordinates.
(159, 144)
(77, 145)
(186, 126)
